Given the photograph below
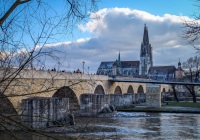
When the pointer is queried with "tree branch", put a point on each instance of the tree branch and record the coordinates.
(10, 10)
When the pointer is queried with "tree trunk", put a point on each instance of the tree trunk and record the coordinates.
(174, 92)
(193, 95)
(192, 92)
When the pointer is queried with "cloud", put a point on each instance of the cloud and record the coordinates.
(121, 29)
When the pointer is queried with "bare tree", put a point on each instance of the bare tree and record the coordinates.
(191, 28)
(175, 93)
(192, 73)
(26, 27)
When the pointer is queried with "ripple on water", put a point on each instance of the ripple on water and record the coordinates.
(121, 131)
(130, 114)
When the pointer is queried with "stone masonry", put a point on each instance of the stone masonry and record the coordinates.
(122, 100)
(92, 104)
(38, 112)
(153, 96)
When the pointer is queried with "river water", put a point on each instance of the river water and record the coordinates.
(136, 126)
(149, 126)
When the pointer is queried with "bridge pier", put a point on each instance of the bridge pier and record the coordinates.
(153, 96)
(122, 100)
(40, 112)
(140, 98)
(92, 104)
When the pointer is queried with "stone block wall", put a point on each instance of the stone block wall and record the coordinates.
(91, 104)
(140, 98)
(122, 100)
(38, 112)
(153, 96)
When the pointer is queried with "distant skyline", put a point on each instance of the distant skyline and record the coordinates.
(120, 26)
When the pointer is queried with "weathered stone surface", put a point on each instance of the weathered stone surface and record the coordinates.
(140, 98)
(153, 96)
(108, 109)
(121, 100)
(41, 112)
(91, 104)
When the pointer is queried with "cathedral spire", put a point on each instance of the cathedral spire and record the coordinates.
(145, 53)
(119, 57)
(145, 35)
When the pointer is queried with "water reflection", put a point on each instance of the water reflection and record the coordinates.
(138, 126)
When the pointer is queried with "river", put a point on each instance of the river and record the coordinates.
(136, 126)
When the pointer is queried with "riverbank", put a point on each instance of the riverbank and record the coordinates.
(162, 109)
(169, 107)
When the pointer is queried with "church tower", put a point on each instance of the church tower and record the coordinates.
(145, 53)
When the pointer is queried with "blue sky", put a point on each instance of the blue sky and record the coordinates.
(119, 25)
(157, 7)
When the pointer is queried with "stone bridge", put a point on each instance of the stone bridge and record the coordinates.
(31, 83)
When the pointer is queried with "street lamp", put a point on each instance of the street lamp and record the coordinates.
(83, 66)
(88, 70)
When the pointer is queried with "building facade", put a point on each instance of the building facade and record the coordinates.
(166, 73)
(162, 73)
(118, 67)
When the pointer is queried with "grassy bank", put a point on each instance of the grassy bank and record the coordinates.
(181, 104)
(170, 107)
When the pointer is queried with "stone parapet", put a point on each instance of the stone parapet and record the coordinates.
(44, 74)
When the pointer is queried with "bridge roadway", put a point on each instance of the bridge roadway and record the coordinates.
(38, 83)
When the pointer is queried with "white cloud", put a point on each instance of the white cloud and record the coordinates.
(122, 29)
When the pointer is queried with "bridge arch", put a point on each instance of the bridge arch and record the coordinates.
(130, 89)
(99, 90)
(67, 92)
(118, 90)
(140, 89)
(6, 107)
(169, 90)
(163, 90)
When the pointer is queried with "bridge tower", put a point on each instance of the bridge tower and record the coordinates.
(145, 53)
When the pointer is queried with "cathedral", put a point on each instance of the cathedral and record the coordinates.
(142, 68)
(130, 68)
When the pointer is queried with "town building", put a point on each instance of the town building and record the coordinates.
(118, 67)
(166, 73)
(179, 73)
(162, 73)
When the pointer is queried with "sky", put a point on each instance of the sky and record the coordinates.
(118, 25)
